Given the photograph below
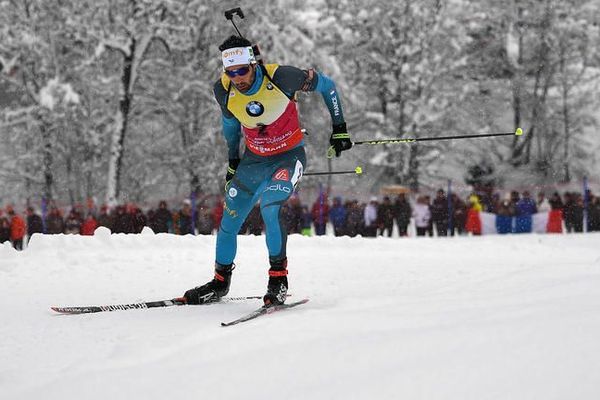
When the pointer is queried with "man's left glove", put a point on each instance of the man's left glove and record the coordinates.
(233, 164)
(339, 140)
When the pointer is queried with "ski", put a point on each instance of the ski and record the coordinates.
(264, 310)
(179, 301)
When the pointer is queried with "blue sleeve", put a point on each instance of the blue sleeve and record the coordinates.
(291, 80)
(232, 133)
(326, 87)
(231, 126)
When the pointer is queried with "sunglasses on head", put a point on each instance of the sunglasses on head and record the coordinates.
(238, 72)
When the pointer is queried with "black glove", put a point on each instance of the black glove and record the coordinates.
(339, 140)
(233, 164)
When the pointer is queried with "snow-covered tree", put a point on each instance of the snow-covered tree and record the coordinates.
(38, 75)
(403, 59)
(113, 98)
(537, 57)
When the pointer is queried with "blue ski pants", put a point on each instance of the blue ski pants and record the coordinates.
(270, 180)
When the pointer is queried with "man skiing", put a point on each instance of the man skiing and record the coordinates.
(259, 101)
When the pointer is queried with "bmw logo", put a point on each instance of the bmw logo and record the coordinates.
(233, 192)
(255, 109)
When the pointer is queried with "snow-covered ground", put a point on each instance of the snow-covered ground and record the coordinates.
(496, 317)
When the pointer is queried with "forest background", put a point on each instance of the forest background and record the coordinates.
(112, 99)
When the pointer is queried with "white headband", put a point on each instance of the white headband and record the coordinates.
(238, 56)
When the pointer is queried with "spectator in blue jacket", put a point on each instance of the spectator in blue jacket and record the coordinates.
(337, 216)
(320, 214)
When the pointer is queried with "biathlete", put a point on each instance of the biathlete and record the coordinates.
(259, 101)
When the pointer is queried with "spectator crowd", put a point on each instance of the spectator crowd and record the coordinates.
(439, 216)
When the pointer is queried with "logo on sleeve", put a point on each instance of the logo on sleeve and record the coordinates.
(282, 175)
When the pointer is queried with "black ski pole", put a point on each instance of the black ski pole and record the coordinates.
(357, 171)
(518, 132)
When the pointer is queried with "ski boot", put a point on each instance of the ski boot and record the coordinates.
(213, 290)
(278, 283)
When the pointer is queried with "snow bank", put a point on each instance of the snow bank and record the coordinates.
(463, 318)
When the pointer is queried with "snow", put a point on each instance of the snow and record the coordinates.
(496, 317)
(120, 44)
(142, 47)
(54, 92)
(115, 149)
(512, 47)
(99, 50)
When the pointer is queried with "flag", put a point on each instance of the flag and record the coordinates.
(488, 223)
(479, 222)
(540, 222)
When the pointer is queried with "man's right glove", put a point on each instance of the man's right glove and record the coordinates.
(339, 141)
(233, 164)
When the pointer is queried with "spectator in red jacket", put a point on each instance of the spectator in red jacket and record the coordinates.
(18, 228)
(473, 222)
(89, 225)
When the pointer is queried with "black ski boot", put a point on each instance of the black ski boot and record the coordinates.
(278, 283)
(213, 290)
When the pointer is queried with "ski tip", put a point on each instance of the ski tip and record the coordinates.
(60, 310)
(264, 310)
(72, 310)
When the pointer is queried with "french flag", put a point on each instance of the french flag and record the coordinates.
(485, 223)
